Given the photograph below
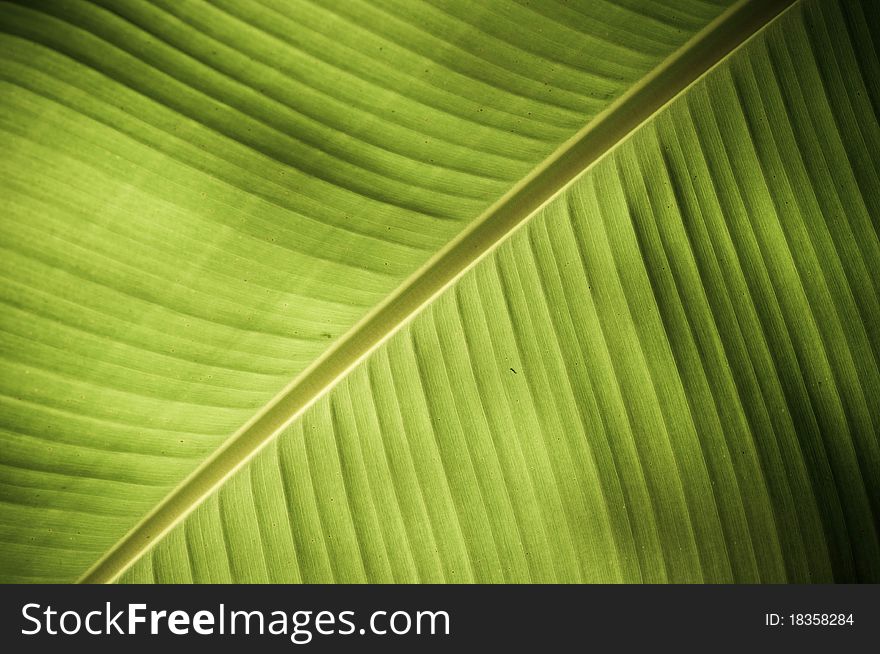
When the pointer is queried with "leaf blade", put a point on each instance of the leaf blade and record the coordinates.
(440, 272)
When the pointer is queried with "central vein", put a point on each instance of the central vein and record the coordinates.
(578, 154)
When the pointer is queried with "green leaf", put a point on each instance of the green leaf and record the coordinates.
(517, 344)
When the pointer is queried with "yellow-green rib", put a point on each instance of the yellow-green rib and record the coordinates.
(670, 373)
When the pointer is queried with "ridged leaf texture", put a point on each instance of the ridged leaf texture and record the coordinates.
(216, 368)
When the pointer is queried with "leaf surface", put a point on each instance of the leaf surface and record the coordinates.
(669, 373)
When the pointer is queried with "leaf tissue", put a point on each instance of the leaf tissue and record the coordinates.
(440, 291)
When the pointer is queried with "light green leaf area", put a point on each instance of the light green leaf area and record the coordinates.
(670, 374)
(198, 198)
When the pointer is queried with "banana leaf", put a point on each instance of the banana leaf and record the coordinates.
(437, 291)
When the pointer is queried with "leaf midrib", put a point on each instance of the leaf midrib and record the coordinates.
(640, 103)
